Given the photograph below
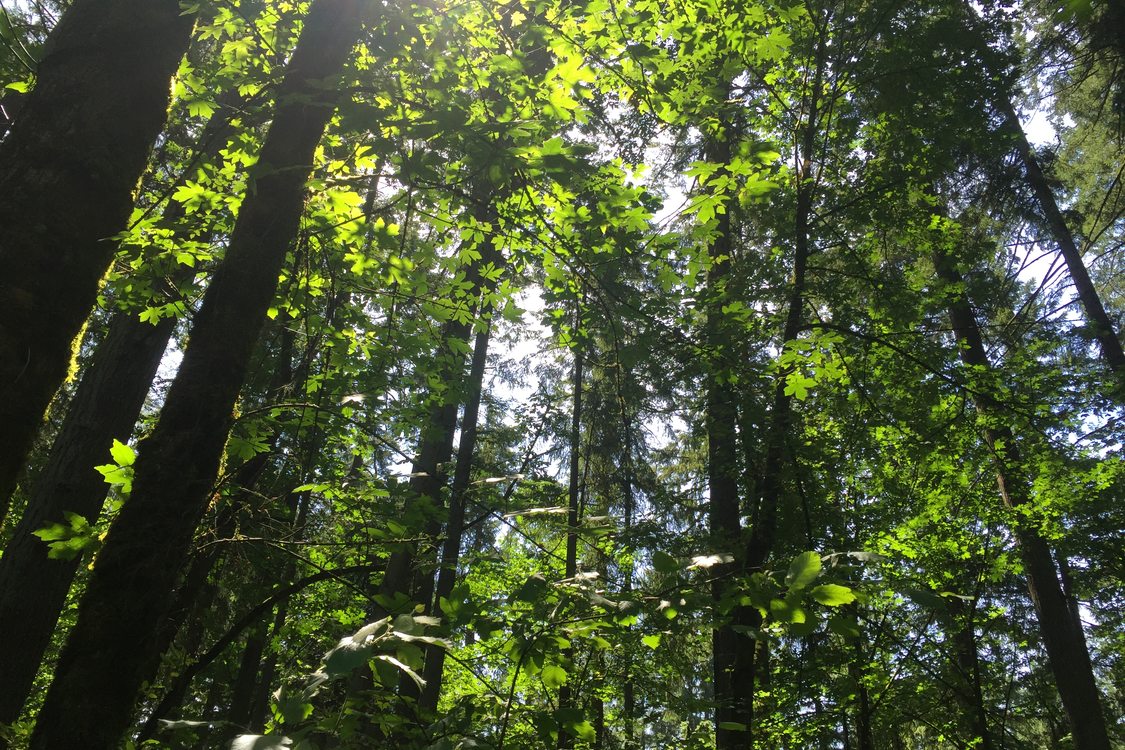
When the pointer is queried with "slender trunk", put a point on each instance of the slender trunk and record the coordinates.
(179, 687)
(863, 702)
(259, 707)
(242, 691)
(599, 722)
(435, 447)
(822, 736)
(732, 659)
(455, 524)
(428, 477)
(259, 704)
(427, 480)
(968, 667)
(68, 170)
(188, 599)
(90, 701)
(1062, 636)
(408, 570)
(566, 701)
(628, 689)
(185, 595)
(105, 406)
(769, 484)
(1087, 293)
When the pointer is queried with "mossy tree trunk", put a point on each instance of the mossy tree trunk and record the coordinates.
(101, 668)
(68, 171)
(105, 407)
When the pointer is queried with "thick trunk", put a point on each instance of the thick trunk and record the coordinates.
(101, 667)
(68, 170)
(106, 406)
(1062, 635)
(33, 588)
(1087, 293)
(455, 524)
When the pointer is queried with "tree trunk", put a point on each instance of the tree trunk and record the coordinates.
(179, 687)
(1062, 636)
(407, 568)
(101, 667)
(1087, 293)
(455, 524)
(863, 703)
(33, 588)
(628, 688)
(243, 689)
(967, 660)
(435, 446)
(106, 406)
(68, 170)
(435, 449)
(566, 701)
(732, 658)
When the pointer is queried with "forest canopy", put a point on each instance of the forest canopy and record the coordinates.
(573, 374)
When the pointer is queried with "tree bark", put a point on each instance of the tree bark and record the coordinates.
(732, 660)
(455, 524)
(175, 695)
(435, 447)
(863, 708)
(1087, 293)
(1062, 636)
(101, 667)
(68, 170)
(566, 700)
(967, 661)
(242, 692)
(33, 588)
(105, 406)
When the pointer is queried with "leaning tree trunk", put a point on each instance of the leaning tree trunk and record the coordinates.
(106, 406)
(1062, 634)
(33, 588)
(101, 667)
(68, 170)
(1064, 239)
